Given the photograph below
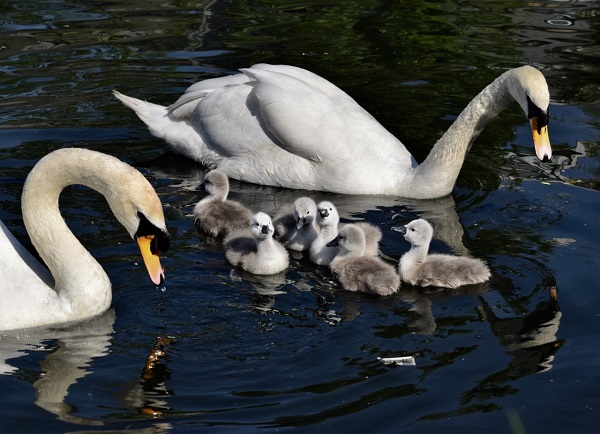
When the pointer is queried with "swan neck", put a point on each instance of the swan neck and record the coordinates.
(442, 166)
(71, 265)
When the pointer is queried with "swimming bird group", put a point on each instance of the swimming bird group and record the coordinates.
(351, 251)
(273, 125)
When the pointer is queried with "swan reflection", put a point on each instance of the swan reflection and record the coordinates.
(72, 350)
(529, 339)
(68, 362)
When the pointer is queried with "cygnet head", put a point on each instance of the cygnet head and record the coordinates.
(351, 239)
(216, 184)
(261, 226)
(418, 232)
(327, 214)
(305, 211)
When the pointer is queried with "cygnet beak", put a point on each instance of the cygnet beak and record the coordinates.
(401, 229)
(324, 212)
(265, 229)
(333, 243)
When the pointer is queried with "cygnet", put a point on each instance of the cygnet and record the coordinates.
(253, 249)
(419, 268)
(295, 224)
(214, 214)
(328, 220)
(357, 272)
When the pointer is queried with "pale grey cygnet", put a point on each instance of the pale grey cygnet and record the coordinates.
(357, 272)
(215, 214)
(419, 268)
(295, 224)
(328, 222)
(254, 249)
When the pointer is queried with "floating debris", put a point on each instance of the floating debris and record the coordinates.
(404, 361)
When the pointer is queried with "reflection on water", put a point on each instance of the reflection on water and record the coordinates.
(529, 339)
(225, 350)
(148, 394)
(69, 360)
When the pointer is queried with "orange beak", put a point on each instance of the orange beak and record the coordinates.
(541, 141)
(151, 260)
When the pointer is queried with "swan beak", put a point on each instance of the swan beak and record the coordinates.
(151, 260)
(541, 141)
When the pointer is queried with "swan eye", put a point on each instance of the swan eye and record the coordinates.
(412, 229)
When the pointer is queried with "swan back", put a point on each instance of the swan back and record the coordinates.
(418, 267)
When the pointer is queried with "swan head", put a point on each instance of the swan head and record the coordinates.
(351, 239)
(418, 232)
(137, 207)
(305, 211)
(529, 88)
(327, 214)
(216, 184)
(261, 226)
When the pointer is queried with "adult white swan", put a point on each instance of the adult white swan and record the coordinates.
(285, 126)
(77, 288)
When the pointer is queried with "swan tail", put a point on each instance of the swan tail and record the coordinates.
(179, 133)
(150, 113)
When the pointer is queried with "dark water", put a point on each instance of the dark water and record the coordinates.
(224, 352)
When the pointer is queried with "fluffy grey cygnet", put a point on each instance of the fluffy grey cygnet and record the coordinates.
(295, 224)
(253, 249)
(214, 214)
(419, 268)
(359, 273)
(328, 220)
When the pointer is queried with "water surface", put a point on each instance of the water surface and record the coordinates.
(223, 351)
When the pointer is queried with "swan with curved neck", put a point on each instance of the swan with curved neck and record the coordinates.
(285, 126)
(77, 287)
